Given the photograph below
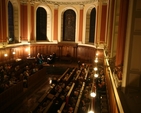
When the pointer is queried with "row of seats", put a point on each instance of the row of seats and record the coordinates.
(65, 95)
(12, 73)
(8, 95)
(62, 86)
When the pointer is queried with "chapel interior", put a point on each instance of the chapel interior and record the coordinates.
(70, 56)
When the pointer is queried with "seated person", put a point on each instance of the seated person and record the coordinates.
(39, 59)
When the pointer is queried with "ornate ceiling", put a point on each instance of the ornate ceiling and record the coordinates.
(61, 2)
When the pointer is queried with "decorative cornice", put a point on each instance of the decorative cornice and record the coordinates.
(24, 1)
(56, 6)
(62, 2)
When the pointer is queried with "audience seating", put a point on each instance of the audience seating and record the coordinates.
(69, 93)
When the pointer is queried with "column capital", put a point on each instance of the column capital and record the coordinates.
(23, 1)
(56, 6)
(103, 1)
(81, 6)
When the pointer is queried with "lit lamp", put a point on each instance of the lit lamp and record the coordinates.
(90, 111)
(5, 55)
(14, 53)
(93, 92)
(95, 75)
(95, 69)
(96, 60)
(50, 81)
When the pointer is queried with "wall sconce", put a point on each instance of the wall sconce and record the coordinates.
(26, 49)
(5, 55)
(13, 52)
(90, 111)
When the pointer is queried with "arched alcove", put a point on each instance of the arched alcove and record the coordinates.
(68, 20)
(90, 26)
(48, 19)
(13, 18)
(41, 24)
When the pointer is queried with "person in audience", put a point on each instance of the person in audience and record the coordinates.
(39, 59)
(54, 80)
(17, 68)
(21, 77)
(53, 57)
(102, 86)
(79, 64)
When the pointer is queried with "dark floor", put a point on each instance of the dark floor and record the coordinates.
(130, 99)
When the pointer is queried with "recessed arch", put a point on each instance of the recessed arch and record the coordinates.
(10, 23)
(48, 20)
(15, 20)
(73, 10)
(90, 25)
(41, 22)
(69, 20)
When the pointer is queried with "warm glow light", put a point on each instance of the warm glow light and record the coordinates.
(26, 49)
(95, 75)
(95, 68)
(90, 111)
(5, 55)
(50, 81)
(96, 54)
(93, 94)
(96, 60)
(14, 53)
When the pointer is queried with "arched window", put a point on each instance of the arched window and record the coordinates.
(41, 23)
(69, 20)
(92, 25)
(10, 23)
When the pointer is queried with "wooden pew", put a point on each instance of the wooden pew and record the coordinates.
(63, 75)
(68, 95)
(9, 95)
(79, 98)
(36, 77)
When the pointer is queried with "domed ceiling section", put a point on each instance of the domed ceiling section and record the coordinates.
(65, 2)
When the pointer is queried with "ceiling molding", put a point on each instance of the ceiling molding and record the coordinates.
(61, 2)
